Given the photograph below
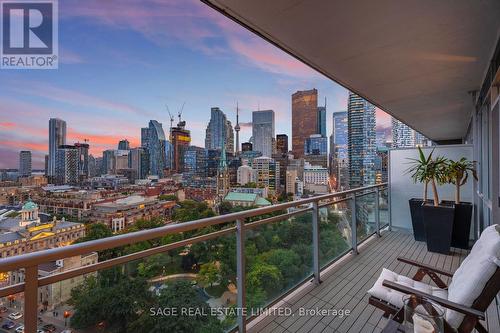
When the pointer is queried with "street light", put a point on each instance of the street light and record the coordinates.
(66, 315)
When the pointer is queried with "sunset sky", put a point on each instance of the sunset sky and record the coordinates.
(123, 61)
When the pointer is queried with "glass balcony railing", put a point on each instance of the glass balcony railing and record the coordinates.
(208, 275)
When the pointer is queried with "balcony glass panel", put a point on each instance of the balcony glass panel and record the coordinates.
(278, 257)
(384, 207)
(334, 231)
(365, 216)
(189, 289)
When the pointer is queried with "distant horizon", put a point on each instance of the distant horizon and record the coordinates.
(106, 90)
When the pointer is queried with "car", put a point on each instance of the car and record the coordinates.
(20, 329)
(15, 315)
(49, 328)
(3, 309)
(9, 325)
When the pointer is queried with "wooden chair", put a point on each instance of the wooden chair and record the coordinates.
(482, 265)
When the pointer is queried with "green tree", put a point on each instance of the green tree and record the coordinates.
(95, 231)
(287, 261)
(209, 274)
(178, 295)
(168, 197)
(265, 276)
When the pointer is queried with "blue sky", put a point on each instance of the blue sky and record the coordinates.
(123, 61)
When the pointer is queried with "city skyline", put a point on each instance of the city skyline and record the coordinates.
(203, 59)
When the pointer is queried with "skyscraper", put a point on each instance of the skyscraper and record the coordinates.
(304, 119)
(156, 148)
(219, 129)
(144, 137)
(83, 160)
(123, 145)
(316, 150)
(57, 137)
(195, 161)
(339, 157)
(361, 141)
(24, 163)
(263, 131)
(321, 120)
(282, 144)
(138, 160)
(66, 165)
(180, 138)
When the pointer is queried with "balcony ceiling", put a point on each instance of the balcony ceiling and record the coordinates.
(415, 59)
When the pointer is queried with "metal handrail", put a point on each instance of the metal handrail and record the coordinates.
(31, 261)
(34, 258)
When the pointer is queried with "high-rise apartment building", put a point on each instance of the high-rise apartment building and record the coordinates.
(57, 137)
(339, 156)
(268, 172)
(263, 131)
(304, 119)
(219, 129)
(361, 141)
(25, 163)
(67, 165)
(282, 144)
(123, 145)
(156, 148)
(404, 136)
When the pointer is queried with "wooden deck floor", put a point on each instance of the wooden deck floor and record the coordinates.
(345, 284)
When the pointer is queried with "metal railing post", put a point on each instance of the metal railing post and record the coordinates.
(315, 239)
(31, 299)
(240, 274)
(377, 211)
(354, 230)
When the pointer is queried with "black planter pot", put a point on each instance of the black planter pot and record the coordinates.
(438, 224)
(461, 224)
(416, 219)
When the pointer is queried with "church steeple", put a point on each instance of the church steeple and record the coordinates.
(222, 175)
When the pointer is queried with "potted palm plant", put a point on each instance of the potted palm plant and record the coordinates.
(457, 173)
(438, 217)
(419, 174)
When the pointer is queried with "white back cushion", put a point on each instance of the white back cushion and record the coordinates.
(477, 268)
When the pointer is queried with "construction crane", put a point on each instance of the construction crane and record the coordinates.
(171, 118)
(179, 114)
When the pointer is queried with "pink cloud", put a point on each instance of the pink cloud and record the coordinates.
(193, 24)
(7, 124)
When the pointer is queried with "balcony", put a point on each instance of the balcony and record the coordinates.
(325, 251)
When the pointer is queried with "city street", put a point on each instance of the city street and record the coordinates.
(47, 318)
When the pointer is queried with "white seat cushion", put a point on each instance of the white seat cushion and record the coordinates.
(395, 297)
(467, 283)
(477, 268)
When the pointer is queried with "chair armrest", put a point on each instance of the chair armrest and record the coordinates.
(441, 301)
(424, 266)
